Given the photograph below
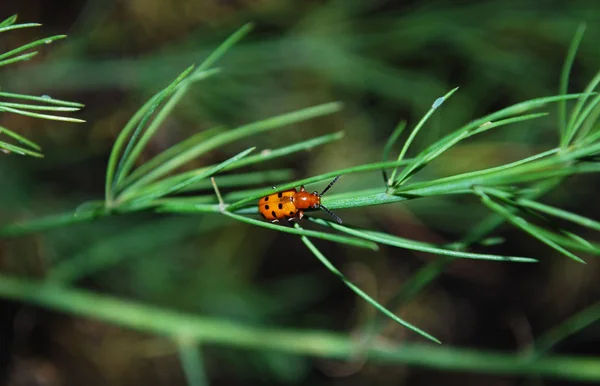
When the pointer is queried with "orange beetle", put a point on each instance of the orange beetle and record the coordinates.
(290, 204)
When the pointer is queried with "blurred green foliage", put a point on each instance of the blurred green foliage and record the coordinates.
(386, 61)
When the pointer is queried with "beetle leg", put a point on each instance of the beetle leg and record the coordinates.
(274, 221)
(300, 215)
(302, 189)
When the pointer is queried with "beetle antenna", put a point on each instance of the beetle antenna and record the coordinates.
(330, 185)
(329, 212)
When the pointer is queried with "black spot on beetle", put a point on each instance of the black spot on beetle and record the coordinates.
(267, 207)
(279, 194)
(280, 206)
(291, 213)
(274, 214)
(267, 198)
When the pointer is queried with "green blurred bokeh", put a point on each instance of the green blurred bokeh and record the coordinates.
(386, 61)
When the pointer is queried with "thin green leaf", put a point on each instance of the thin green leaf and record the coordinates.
(360, 199)
(38, 107)
(590, 110)
(41, 116)
(118, 146)
(181, 206)
(523, 224)
(44, 99)
(36, 43)
(564, 78)
(181, 185)
(414, 245)
(267, 155)
(250, 160)
(388, 147)
(225, 46)
(49, 222)
(129, 156)
(533, 171)
(481, 124)
(173, 98)
(171, 152)
(303, 232)
(21, 139)
(438, 102)
(564, 237)
(18, 58)
(571, 241)
(572, 125)
(360, 292)
(19, 150)
(465, 180)
(202, 72)
(234, 135)
(192, 362)
(17, 26)
(478, 126)
(242, 179)
(435, 150)
(560, 213)
(9, 21)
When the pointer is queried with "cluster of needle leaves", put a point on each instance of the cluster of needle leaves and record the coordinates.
(511, 191)
(28, 105)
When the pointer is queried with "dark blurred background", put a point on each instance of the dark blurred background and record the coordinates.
(386, 61)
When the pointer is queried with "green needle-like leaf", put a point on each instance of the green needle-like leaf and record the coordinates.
(185, 183)
(234, 135)
(18, 150)
(521, 223)
(21, 139)
(36, 115)
(18, 58)
(36, 43)
(414, 245)
(388, 147)
(250, 160)
(10, 27)
(192, 363)
(574, 124)
(560, 213)
(438, 102)
(360, 292)
(118, 146)
(171, 152)
(131, 152)
(44, 99)
(303, 232)
(8, 21)
(564, 79)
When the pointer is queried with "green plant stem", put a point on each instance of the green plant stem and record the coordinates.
(49, 222)
(192, 363)
(322, 344)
